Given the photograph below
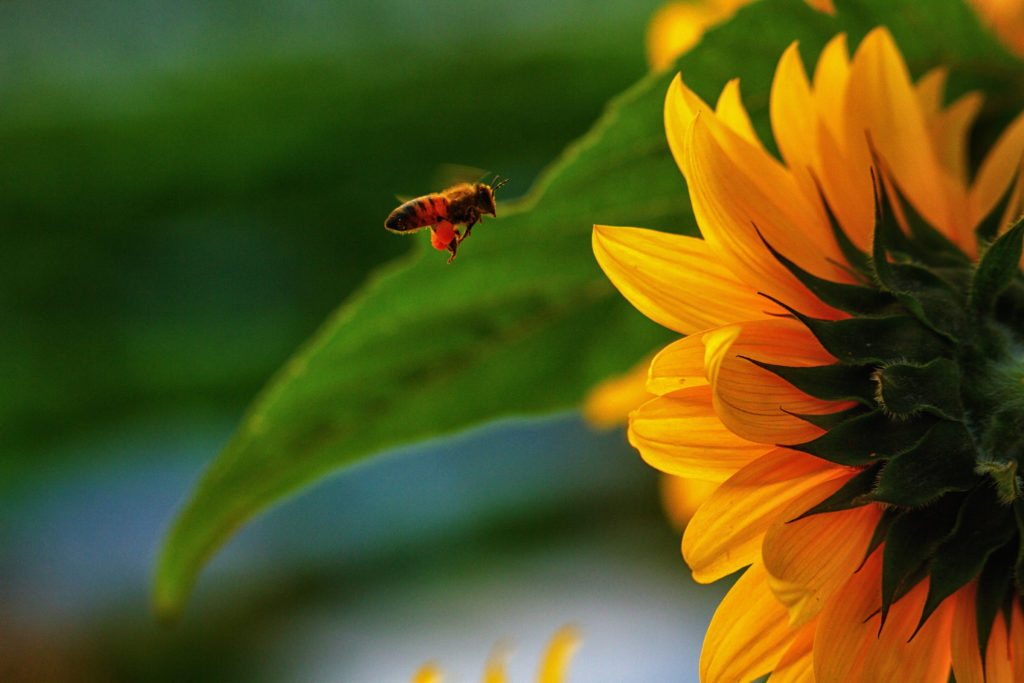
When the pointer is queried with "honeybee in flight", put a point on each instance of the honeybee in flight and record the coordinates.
(462, 204)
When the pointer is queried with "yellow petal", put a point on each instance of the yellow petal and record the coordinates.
(998, 169)
(726, 532)
(680, 434)
(842, 163)
(732, 113)
(881, 102)
(677, 26)
(797, 664)
(735, 185)
(1006, 19)
(610, 402)
(850, 646)
(1017, 641)
(848, 623)
(682, 106)
(739, 192)
(682, 496)
(998, 664)
(794, 114)
(674, 280)
(428, 673)
(930, 89)
(497, 663)
(896, 656)
(802, 570)
(747, 635)
(554, 667)
(830, 76)
(680, 365)
(963, 639)
(753, 402)
(950, 131)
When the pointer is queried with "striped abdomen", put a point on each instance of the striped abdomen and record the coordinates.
(418, 213)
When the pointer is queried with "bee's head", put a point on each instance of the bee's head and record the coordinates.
(485, 195)
(485, 198)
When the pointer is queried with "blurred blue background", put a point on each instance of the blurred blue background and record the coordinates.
(186, 191)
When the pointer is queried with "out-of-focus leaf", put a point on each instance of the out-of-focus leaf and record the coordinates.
(523, 322)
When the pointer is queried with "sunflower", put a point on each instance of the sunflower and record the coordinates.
(679, 25)
(853, 374)
(553, 668)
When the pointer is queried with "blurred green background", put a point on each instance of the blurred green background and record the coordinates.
(186, 191)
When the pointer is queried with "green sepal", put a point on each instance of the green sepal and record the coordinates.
(929, 297)
(868, 438)
(829, 421)
(910, 542)
(931, 246)
(988, 228)
(853, 255)
(876, 339)
(887, 236)
(992, 591)
(836, 382)
(905, 389)
(940, 462)
(940, 308)
(982, 527)
(850, 495)
(889, 515)
(853, 299)
(998, 266)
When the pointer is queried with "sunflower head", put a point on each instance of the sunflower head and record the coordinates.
(853, 372)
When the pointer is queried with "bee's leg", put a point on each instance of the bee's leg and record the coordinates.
(443, 234)
(469, 226)
(453, 246)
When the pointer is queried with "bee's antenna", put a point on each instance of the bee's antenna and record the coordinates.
(495, 184)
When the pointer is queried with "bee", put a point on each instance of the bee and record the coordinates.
(462, 204)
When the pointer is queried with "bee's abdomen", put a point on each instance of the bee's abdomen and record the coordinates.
(418, 213)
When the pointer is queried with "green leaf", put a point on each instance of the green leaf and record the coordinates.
(523, 322)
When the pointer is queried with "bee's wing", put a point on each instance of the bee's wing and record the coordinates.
(448, 175)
